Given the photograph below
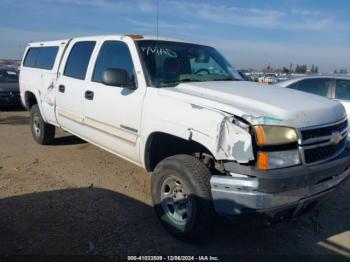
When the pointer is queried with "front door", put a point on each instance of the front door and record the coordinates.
(113, 114)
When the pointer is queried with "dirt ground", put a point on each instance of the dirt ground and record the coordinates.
(72, 198)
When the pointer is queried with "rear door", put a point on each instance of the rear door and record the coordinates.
(70, 86)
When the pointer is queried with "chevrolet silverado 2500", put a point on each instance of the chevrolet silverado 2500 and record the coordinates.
(212, 142)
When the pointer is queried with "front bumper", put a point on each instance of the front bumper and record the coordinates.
(10, 98)
(233, 196)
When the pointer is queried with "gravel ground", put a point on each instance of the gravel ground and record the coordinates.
(72, 198)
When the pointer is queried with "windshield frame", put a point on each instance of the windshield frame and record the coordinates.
(148, 77)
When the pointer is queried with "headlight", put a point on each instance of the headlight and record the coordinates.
(274, 135)
(279, 159)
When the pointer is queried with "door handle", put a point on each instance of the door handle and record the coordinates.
(89, 95)
(61, 88)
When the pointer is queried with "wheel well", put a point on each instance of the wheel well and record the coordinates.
(162, 145)
(30, 99)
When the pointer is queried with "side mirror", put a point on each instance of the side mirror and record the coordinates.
(117, 77)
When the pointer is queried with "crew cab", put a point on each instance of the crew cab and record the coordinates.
(212, 142)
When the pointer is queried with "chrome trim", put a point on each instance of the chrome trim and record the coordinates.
(345, 134)
(71, 116)
(323, 160)
(111, 130)
(308, 143)
(323, 138)
(232, 195)
(119, 132)
(129, 128)
(324, 125)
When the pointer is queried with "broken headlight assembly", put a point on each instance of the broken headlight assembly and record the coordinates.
(272, 137)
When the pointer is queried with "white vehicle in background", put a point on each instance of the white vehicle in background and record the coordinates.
(283, 77)
(212, 142)
(333, 87)
(268, 79)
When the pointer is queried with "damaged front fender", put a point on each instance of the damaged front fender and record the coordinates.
(234, 141)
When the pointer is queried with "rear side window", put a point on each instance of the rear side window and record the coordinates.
(113, 54)
(41, 57)
(315, 86)
(78, 59)
(342, 89)
(31, 57)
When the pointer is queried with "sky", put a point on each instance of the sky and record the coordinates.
(251, 34)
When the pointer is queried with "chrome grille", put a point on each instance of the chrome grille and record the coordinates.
(324, 131)
(319, 144)
(324, 152)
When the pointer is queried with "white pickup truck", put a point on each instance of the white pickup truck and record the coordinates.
(212, 142)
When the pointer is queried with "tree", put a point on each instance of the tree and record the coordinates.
(285, 70)
(304, 69)
(268, 69)
(301, 69)
(312, 69)
(343, 71)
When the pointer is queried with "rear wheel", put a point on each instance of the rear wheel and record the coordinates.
(42, 132)
(180, 187)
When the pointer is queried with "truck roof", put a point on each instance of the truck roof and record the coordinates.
(100, 37)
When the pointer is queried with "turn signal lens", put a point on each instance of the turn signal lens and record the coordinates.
(263, 161)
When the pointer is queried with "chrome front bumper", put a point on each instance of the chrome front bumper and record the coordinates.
(232, 195)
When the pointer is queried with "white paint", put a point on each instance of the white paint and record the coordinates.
(202, 112)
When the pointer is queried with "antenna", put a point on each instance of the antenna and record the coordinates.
(157, 19)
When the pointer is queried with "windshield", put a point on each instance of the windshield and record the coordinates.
(171, 63)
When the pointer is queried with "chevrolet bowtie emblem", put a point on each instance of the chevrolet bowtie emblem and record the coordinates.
(335, 138)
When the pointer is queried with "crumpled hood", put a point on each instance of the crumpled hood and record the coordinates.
(260, 103)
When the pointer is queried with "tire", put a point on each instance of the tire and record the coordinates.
(42, 132)
(181, 194)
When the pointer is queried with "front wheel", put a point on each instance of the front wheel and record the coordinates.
(181, 195)
(42, 132)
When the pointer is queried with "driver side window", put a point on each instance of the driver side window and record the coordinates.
(113, 54)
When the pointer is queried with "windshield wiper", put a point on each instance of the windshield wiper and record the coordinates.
(187, 80)
(190, 80)
(226, 79)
